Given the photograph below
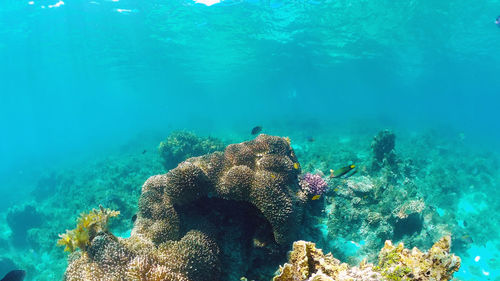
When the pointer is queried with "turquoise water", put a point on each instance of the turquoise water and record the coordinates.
(88, 90)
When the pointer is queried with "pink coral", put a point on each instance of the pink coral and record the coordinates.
(313, 184)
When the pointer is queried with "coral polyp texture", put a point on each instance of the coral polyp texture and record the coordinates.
(306, 262)
(181, 145)
(313, 184)
(172, 241)
(261, 172)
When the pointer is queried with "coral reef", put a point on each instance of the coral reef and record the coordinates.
(181, 145)
(112, 258)
(22, 220)
(383, 150)
(306, 262)
(386, 204)
(313, 184)
(88, 226)
(456, 182)
(398, 263)
(262, 173)
(380, 208)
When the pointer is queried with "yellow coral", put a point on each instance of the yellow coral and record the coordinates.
(88, 225)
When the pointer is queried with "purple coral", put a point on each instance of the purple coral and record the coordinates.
(313, 184)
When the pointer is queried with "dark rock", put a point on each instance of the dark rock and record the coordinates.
(22, 220)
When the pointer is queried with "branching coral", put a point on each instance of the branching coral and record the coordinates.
(395, 263)
(313, 184)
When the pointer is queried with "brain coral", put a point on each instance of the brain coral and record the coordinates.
(262, 173)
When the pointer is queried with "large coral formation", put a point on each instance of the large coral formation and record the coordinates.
(306, 262)
(181, 145)
(107, 257)
(262, 173)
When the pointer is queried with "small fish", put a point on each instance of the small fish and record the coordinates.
(144, 151)
(343, 171)
(310, 139)
(467, 239)
(256, 130)
(134, 218)
(465, 223)
(497, 21)
(296, 165)
(336, 189)
(316, 197)
(15, 275)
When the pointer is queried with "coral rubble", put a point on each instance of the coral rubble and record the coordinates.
(181, 145)
(306, 262)
(167, 244)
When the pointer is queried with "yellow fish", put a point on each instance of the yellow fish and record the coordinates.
(336, 189)
(296, 166)
(316, 197)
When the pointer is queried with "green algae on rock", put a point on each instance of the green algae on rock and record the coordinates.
(181, 145)
(398, 263)
(306, 262)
